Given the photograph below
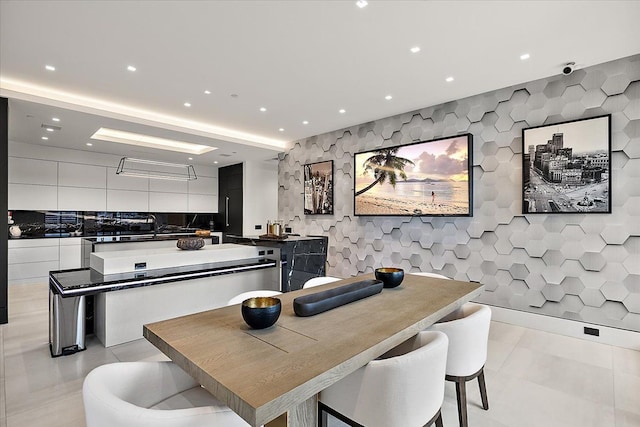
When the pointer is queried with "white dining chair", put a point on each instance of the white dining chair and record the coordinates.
(251, 294)
(317, 281)
(151, 394)
(434, 275)
(468, 340)
(404, 387)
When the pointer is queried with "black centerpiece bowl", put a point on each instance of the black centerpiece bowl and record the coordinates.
(390, 276)
(261, 312)
(190, 243)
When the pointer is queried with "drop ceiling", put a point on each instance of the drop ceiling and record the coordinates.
(299, 60)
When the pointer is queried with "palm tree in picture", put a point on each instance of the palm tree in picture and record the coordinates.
(385, 166)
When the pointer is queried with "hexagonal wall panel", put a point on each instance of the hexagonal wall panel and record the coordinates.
(580, 267)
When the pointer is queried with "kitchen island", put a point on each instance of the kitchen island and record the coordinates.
(180, 282)
(302, 257)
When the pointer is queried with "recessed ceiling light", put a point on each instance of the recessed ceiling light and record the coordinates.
(281, 129)
(415, 49)
(55, 119)
(45, 138)
(49, 129)
(122, 137)
(263, 109)
(207, 92)
(342, 111)
(525, 56)
(215, 162)
(187, 104)
(50, 67)
(190, 158)
(388, 97)
(306, 122)
(89, 144)
(362, 3)
(449, 79)
(131, 68)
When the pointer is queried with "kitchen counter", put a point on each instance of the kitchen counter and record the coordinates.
(302, 257)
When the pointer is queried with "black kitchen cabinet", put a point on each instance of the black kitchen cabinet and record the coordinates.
(230, 199)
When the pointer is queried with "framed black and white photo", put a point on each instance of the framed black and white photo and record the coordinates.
(566, 167)
(318, 188)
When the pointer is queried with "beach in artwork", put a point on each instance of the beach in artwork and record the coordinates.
(415, 198)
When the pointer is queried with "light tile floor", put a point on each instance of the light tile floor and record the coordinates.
(533, 378)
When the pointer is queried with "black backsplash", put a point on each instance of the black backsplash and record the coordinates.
(39, 224)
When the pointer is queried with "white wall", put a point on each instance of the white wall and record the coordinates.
(61, 179)
(260, 195)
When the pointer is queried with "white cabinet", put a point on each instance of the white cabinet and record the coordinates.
(28, 197)
(30, 260)
(82, 199)
(32, 171)
(168, 202)
(202, 203)
(76, 175)
(127, 201)
(70, 253)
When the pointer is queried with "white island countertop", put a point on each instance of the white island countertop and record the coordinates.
(156, 258)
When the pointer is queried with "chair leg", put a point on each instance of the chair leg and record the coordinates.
(461, 395)
(439, 420)
(483, 390)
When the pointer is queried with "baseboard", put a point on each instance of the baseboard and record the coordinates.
(570, 328)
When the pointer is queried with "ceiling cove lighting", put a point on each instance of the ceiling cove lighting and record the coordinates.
(449, 79)
(415, 49)
(525, 56)
(362, 3)
(50, 67)
(25, 91)
(131, 68)
(141, 168)
(122, 137)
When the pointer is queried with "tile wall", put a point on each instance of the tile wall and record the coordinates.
(575, 266)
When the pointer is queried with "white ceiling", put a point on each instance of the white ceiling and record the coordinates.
(302, 60)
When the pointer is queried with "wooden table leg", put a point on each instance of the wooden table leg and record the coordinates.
(303, 415)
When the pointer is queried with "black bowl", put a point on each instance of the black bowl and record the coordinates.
(261, 312)
(391, 277)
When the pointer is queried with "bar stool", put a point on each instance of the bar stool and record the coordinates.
(468, 339)
(404, 387)
(151, 394)
(250, 294)
(317, 281)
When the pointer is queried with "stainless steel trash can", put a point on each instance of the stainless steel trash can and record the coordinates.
(66, 324)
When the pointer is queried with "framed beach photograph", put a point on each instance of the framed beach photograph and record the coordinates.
(427, 178)
(318, 188)
(566, 167)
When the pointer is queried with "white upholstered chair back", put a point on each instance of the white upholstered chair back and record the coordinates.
(150, 394)
(468, 339)
(405, 387)
(317, 281)
(251, 294)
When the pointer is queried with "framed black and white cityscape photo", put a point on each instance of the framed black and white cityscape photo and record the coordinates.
(566, 167)
(318, 188)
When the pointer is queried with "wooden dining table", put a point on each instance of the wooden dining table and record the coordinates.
(270, 374)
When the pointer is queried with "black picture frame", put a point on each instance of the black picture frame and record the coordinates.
(318, 188)
(570, 171)
(439, 184)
